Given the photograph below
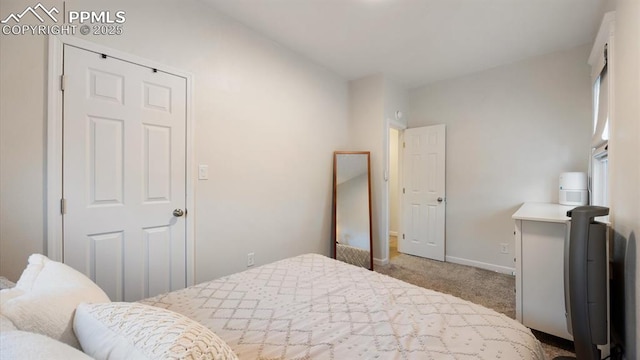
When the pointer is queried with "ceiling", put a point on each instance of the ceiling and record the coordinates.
(417, 42)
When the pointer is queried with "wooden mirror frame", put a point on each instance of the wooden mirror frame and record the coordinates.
(334, 224)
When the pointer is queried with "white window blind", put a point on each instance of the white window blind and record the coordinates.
(600, 140)
(601, 108)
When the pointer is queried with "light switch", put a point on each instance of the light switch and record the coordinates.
(203, 172)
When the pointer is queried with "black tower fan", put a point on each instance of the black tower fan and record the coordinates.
(586, 289)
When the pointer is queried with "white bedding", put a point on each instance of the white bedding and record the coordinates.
(314, 307)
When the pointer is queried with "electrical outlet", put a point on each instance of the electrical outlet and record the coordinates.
(504, 248)
(251, 260)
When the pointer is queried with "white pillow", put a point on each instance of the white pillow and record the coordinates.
(45, 298)
(26, 345)
(138, 331)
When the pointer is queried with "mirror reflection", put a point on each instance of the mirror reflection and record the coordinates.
(352, 208)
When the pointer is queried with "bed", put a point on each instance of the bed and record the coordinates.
(314, 307)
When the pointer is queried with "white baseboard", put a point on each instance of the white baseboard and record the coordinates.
(481, 265)
(393, 233)
(380, 262)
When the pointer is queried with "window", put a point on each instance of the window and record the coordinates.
(599, 177)
(600, 110)
(599, 173)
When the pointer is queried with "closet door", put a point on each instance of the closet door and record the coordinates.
(124, 175)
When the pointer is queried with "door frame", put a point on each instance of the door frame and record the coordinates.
(54, 138)
(389, 124)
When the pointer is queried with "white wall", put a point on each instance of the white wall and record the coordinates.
(267, 122)
(510, 132)
(366, 114)
(373, 101)
(624, 155)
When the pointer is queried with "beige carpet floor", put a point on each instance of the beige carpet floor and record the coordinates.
(493, 290)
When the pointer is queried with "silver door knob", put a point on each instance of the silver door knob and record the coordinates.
(440, 199)
(178, 212)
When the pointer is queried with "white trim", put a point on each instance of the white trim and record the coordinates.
(391, 123)
(611, 69)
(605, 32)
(380, 262)
(388, 124)
(190, 196)
(53, 222)
(481, 265)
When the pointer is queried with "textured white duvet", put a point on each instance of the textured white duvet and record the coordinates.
(314, 307)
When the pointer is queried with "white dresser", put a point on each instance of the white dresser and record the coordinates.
(540, 232)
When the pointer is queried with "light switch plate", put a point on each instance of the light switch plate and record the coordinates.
(203, 172)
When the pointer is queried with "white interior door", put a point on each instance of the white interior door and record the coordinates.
(423, 199)
(124, 174)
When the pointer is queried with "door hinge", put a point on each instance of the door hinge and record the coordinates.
(402, 236)
(403, 190)
(62, 82)
(404, 145)
(63, 206)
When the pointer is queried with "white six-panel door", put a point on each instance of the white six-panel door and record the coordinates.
(424, 192)
(124, 174)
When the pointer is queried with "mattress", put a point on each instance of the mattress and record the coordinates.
(314, 307)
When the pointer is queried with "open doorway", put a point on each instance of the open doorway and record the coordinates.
(394, 191)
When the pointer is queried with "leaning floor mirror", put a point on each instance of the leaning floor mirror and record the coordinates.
(352, 208)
